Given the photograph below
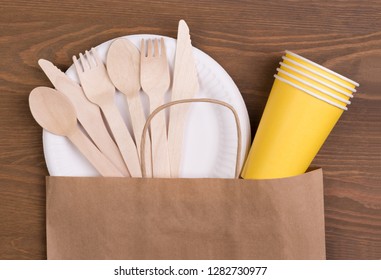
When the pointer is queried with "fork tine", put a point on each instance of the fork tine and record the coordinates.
(163, 49)
(95, 54)
(156, 48)
(149, 48)
(77, 65)
(142, 49)
(84, 62)
(90, 59)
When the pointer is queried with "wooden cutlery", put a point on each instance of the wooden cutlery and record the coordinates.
(123, 67)
(54, 112)
(155, 81)
(129, 71)
(185, 86)
(88, 114)
(98, 89)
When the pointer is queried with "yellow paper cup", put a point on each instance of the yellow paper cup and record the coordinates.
(318, 75)
(322, 70)
(316, 89)
(333, 90)
(294, 126)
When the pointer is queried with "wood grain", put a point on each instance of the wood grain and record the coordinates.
(248, 39)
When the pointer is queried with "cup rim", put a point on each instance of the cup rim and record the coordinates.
(323, 68)
(285, 58)
(314, 87)
(316, 80)
(311, 93)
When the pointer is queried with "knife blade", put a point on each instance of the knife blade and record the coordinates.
(52, 71)
(74, 93)
(88, 114)
(185, 79)
(185, 86)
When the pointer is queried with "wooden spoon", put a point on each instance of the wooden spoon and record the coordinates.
(123, 67)
(53, 111)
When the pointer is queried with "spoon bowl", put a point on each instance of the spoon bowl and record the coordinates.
(123, 66)
(52, 111)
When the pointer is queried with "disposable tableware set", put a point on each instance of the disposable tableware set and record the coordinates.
(149, 138)
(128, 70)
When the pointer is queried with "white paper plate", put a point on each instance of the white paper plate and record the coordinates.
(209, 149)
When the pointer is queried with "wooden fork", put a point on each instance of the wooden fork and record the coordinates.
(155, 81)
(98, 89)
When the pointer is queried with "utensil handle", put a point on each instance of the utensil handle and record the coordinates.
(138, 119)
(177, 119)
(122, 138)
(199, 100)
(93, 155)
(161, 167)
(90, 117)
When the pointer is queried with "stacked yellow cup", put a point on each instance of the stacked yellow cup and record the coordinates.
(305, 103)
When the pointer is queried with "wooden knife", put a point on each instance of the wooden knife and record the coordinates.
(185, 85)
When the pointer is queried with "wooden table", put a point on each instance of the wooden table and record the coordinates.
(248, 39)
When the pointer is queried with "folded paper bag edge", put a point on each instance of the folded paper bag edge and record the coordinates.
(230, 236)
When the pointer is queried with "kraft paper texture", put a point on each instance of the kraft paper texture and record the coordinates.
(127, 218)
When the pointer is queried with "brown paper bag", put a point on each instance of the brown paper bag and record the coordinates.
(135, 218)
(126, 218)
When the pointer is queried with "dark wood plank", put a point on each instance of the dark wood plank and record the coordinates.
(248, 39)
(22, 207)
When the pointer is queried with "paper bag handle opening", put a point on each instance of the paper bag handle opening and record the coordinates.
(199, 100)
